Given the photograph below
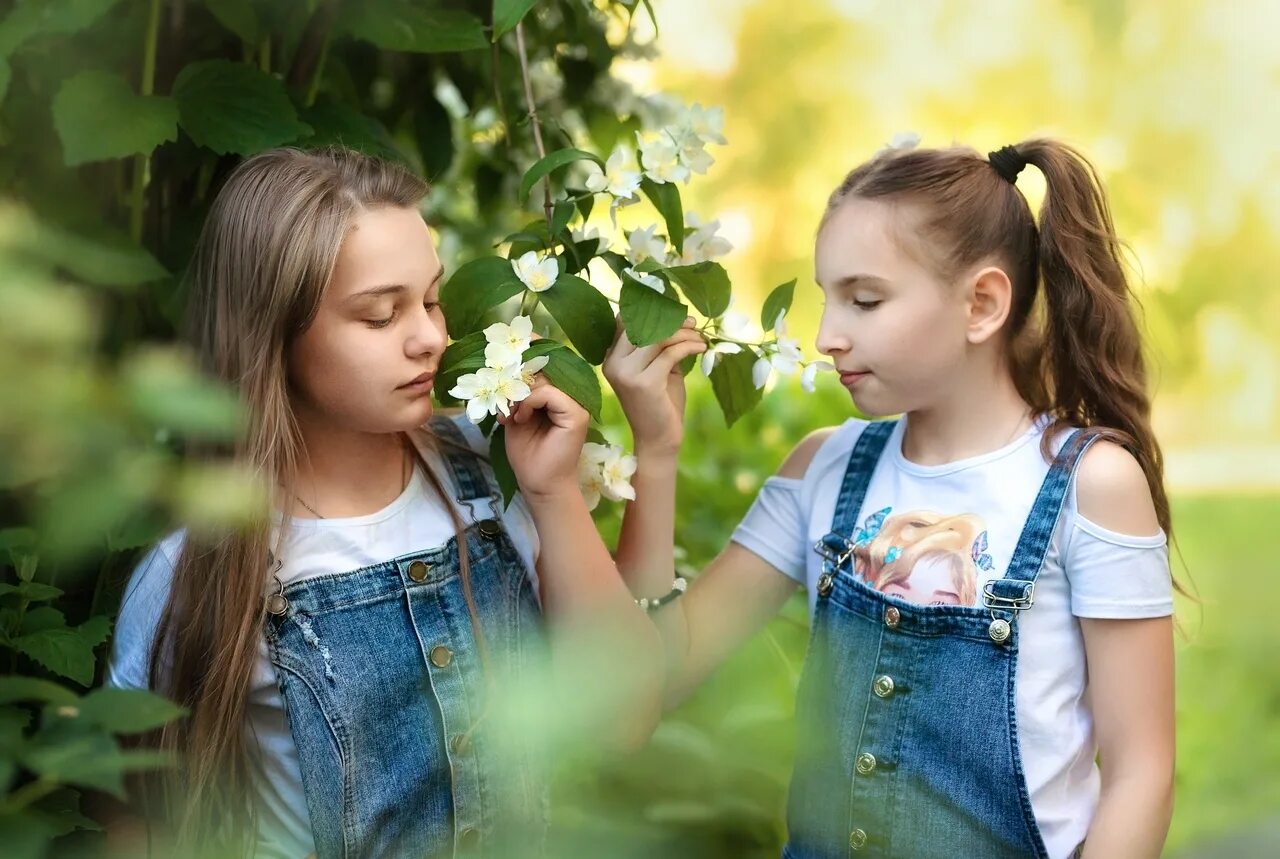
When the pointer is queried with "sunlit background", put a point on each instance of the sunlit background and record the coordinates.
(1176, 103)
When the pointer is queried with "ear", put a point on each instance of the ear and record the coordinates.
(989, 300)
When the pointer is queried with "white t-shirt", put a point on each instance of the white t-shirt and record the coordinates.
(415, 521)
(1088, 571)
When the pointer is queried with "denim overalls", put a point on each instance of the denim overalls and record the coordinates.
(385, 688)
(908, 744)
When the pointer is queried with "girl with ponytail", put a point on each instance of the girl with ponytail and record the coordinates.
(339, 661)
(1011, 696)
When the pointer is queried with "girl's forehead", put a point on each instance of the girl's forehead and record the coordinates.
(865, 237)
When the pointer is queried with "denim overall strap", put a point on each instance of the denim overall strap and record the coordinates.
(470, 479)
(837, 547)
(1016, 590)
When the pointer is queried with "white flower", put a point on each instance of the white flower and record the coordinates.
(736, 325)
(620, 179)
(903, 141)
(616, 473)
(531, 368)
(707, 123)
(537, 275)
(649, 280)
(489, 390)
(702, 244)
(661, 159)
(761, 370)
(605, 470)
(691, 149)
(507, 342)
(642, 244)
(811, 371)
(721, 348)
(788, 357)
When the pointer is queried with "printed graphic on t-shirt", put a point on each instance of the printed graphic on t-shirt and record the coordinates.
(922, 556)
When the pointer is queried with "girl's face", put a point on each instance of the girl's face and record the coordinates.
(891, 327)
(367, 361)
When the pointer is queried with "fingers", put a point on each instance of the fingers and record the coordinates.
(669, 361)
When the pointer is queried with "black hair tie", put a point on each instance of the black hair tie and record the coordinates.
(1008, 162)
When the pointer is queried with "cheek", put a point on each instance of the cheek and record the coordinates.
(339, 367)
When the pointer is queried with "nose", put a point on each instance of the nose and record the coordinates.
(831, 340)
(428, 336)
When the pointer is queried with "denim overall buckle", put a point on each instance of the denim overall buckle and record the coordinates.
(835, 551)
(1008, 595)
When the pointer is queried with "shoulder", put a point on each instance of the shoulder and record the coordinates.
(1112, 491)
(819, 444)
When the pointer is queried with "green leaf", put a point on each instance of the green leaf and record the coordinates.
(507, 13)
(95, 630)
(18, 688)
(585, 315)
(63, 651)
(575, 256)
(649, 316)
(554, 161)
(42, 617)
(460, 357)
(127, 711)
(106, 260)
(233, 107)
(92, 760)
(779, 301)
(665, 197)
(31, 18)
(25, 834)
(433, 129)
(17, 543)
(61, 810)
(99, 118)
(335, 123)
(31, 591)
(238, 16)
(734, 390)
(560, 216)
(502, 469)
(405, 25)
(5, 75)
(585, 202)
(705, 284)
(567, 371)
(474, 290)
(163, 388)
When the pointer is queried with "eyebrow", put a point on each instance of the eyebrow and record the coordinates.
(389, 288)
(855, 279)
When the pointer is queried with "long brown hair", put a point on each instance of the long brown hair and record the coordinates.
(1072, 342)
(265, 255)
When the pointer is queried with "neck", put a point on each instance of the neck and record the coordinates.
(979, 412)
(345, 472)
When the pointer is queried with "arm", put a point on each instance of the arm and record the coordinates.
(594, 622)
(738, 591)
(1130, 677)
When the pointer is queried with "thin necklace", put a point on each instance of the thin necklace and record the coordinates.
(404, 479)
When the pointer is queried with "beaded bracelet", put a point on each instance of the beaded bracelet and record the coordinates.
(677, 587)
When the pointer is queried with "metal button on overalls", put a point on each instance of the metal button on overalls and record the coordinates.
(866, 763)
(883, 686)
(892, 616)
(441, 656)
(418, 571)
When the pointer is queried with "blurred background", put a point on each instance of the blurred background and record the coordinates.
(106, 170)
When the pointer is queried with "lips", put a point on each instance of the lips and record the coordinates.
(848, 377)
(421, 381)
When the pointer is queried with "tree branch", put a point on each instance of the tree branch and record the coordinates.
(533, 119)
